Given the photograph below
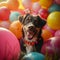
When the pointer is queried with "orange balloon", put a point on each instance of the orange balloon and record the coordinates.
(35, 0)
(46, 3)
(13, 4)
(16, 28)
(46, 34)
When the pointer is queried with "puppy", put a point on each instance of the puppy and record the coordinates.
(32, 29)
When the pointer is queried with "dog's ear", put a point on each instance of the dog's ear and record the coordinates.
(42, 22)
(25, 19)
(21, 19)
(38, 22)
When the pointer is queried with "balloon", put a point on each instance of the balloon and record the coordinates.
(34, 56)
(43, 13)
(35, 1)
(54, 7)
(13, 4)
(55, 41)
(16, 28)
(4, 13)
(9, 45)
(5, 24)
(4, 3)
(51, 48)
(47, 49)
(46, 3)
(20, 5)
(57, 33)
(48, 28)
(53, 20)
(35, 6)
(46, 34)
(14, 16)
(57, 1)
(27, 3)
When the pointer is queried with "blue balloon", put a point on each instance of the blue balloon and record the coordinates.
(34, 56)
(14, 16)
(54, 7)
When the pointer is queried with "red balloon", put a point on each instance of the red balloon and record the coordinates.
(4, 13)
(43, 13)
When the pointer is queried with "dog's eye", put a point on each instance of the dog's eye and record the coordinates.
(36, 23)
(28, 20)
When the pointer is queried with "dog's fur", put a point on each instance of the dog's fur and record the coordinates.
(32, 29)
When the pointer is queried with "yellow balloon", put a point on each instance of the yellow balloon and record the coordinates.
(53, 20)
(20, 4)
(1, 0)
(3, 4)
(46, 3)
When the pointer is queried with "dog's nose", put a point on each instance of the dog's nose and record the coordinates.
(31, 28)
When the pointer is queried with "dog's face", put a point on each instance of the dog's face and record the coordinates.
(31, 26)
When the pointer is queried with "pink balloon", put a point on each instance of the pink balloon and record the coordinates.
(9, 45)
(57, 33)
(47, 48)
(36, 6)
(51, 47)
(55, 41)
(27, 3)
(57, 1)
(5, 24)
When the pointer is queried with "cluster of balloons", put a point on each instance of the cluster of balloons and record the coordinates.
(49, 10)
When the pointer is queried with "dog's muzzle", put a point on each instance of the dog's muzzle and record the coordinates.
(31, 32)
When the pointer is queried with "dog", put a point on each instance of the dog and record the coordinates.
(31, 30)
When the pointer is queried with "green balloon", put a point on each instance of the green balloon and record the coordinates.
(34, 56)
(54, 7)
